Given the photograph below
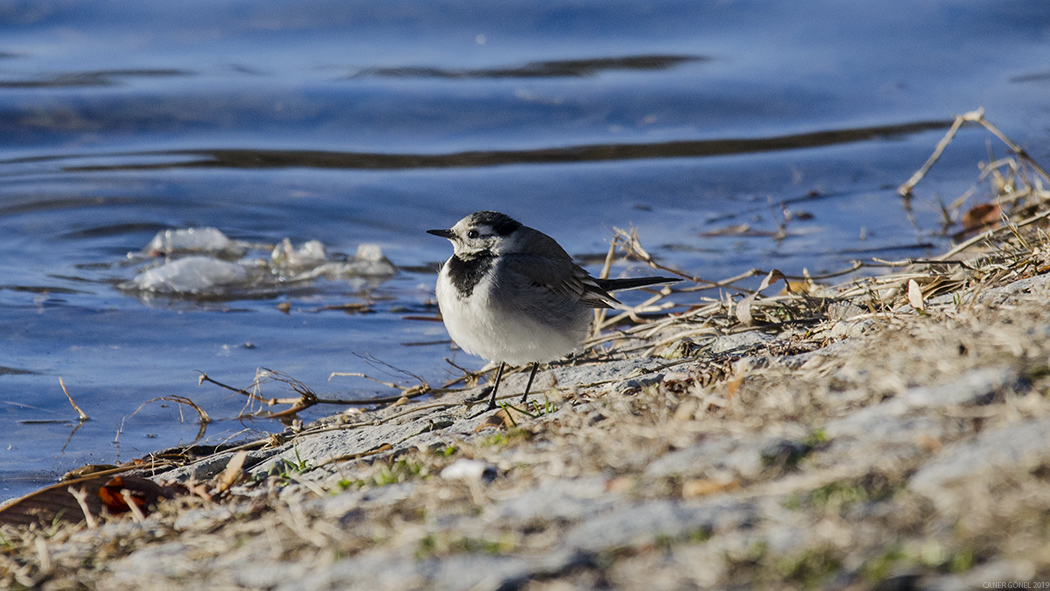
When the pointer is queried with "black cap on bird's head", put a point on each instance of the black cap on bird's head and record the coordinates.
(501, 223)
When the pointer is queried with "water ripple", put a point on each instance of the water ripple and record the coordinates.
(577, 68)
(273, 159)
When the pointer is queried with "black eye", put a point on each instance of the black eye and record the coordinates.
(472, 234)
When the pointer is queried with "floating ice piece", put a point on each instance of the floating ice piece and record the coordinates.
(209, 240)
(370, 262)
(213, 265)
(370, 252)
(309, 254)
(191, 275)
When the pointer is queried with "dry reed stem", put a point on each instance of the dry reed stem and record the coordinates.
(83, 416)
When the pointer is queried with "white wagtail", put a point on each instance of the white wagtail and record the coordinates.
(512, 294)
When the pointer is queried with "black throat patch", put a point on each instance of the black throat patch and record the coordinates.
(466, 273)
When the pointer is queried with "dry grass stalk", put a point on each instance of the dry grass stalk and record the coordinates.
(83, 416)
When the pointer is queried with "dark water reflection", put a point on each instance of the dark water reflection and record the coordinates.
(544, 69)
(73, 79)
(360, 122)
(589, 153)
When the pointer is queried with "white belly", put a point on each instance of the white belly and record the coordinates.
(481, 325)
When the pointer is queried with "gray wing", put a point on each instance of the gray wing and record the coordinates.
(548, 274)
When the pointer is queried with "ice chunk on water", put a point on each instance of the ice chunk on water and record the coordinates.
(195, 240)
(201, 271)
(370, 252)
(191, 275)
(370, 262)
(309, 254)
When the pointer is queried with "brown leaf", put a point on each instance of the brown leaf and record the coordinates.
(143, 492)
(915, 296)
(984, 214)
(234, 472)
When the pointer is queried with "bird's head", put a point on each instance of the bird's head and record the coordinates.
(483, 233)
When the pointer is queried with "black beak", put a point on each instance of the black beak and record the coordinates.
(443, 233)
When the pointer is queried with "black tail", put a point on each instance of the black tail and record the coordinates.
(632, 282)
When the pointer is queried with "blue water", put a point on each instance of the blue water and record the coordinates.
(352, 122)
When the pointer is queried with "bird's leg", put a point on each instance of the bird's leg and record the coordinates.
(495, 386)
(528, 385)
